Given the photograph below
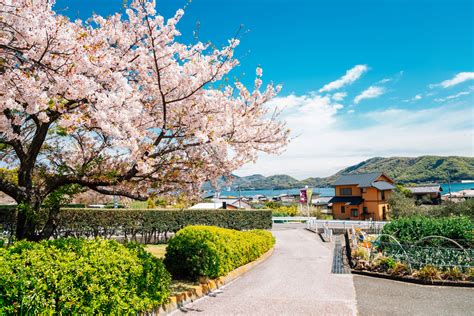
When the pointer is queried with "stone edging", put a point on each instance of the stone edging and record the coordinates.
(198, 291)
(413, 280)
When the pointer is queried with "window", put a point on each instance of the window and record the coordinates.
(365, 210)
(354, 212)
(382, 194)
(343, 209)
(345, 191)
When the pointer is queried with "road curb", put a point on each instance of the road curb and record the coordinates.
(179, 300)
(413, 280)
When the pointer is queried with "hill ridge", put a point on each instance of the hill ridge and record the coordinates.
(421, 169)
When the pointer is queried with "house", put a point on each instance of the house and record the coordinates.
(233, 203)
(321, 203)
(459, 196)
(362, 196)
(426, 194)
(209, 206)
(221, 203)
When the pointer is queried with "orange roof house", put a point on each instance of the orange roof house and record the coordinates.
(362, 196)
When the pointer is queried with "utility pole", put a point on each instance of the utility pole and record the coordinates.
(449, 185)
(240, 197)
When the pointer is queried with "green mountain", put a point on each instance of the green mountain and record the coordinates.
(423, 169)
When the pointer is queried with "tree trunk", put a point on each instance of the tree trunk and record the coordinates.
(26, 221)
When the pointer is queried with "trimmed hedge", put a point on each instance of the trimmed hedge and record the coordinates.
(78, 276)
(409, 230)
(149, 226)
(197, 251)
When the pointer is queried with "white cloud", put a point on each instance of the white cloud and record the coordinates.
(457, 79)
(369, 93)
(415, 98)
(454, 96)
(339, 96)
(327, 141)
(351, 75)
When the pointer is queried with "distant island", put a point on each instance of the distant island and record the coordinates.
(423, 169)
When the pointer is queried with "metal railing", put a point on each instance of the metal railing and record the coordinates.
(332, 224)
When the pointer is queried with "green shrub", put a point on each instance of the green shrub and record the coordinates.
(197, 251)
(78, 276)
(409, 230)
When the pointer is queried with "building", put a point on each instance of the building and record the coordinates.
(321, 203)
(221, 203)
(459, 196)
(426, 194)
(362, 196)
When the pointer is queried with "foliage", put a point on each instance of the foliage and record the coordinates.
(152, 226)
(453, 274)
(146, 225)
(361, 253)
(409, 230)
(385, 263)
(419, 256)
(78, 276)
(280, 209)
(400, 269)
(207, 251)
(401, 205)
(429, 273)
(448, 208)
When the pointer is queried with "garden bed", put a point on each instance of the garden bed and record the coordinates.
(418, 250)
(414, 280)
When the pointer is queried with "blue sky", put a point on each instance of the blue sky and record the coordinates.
(399, 55)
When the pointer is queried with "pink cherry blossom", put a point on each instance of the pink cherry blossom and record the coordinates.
(120, 106)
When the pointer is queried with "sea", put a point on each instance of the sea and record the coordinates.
(446, 187)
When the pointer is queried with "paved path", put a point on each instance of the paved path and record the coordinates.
(295, 280)
(386, 297)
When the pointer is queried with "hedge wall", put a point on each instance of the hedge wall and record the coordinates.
(147, 226)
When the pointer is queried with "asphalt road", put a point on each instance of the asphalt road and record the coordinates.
(297, 280)
(386, 297)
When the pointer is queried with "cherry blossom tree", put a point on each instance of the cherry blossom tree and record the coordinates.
(119, 106)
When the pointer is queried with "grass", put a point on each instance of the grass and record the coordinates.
(158, 251)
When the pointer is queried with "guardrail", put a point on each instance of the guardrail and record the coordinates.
(314, 224)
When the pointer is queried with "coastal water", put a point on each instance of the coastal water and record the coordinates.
(455, 187)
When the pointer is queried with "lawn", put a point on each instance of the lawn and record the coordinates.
(158, 251)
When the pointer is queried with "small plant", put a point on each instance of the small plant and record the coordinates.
(470, 274)
(400, 268)
(453, 274)
(361, 253)
(429, 273)
(383, 263)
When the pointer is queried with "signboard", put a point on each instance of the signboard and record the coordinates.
(303, 196)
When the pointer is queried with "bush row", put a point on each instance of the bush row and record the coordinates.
(409, 230)
(150, 226)
(197, 251)
(78, 276)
